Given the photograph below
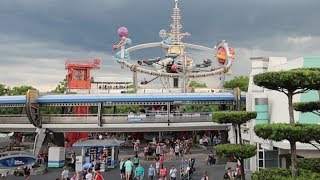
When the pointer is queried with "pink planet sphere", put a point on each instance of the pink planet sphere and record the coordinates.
(123, 32)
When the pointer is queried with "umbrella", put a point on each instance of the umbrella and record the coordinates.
(87, 166)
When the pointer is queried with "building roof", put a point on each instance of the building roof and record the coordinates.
(92, 98)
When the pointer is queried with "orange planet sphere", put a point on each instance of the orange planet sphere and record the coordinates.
(221, 54)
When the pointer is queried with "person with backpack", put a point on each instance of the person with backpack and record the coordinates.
(122, 169)
(136, 160)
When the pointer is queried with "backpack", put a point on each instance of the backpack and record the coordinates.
(123, 167)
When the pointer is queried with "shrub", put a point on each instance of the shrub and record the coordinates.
(311, 164)
(284, 174)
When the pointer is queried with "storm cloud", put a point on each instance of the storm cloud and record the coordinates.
(37, 36)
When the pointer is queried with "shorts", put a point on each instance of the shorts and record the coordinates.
(122, 171)
(177, 154)
(136, 164)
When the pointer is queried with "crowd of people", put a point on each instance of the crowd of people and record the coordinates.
(91, 171)
(131, 169)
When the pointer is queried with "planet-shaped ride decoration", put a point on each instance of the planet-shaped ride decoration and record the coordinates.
(123, 32)
(221, 54)
(177, 61)
(124, 40)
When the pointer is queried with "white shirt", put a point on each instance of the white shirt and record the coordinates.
(157, 165)
(89, 176)
(176, 149)
(173, 172)
(65, 174)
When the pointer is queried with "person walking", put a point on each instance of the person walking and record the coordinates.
(205, 176)
(136, 160)
(89, 175)
(157, 167)
(139, 172)
(26, 172)
(65, 173)
(129, 166)
(122, 169)
(177, 150)
(163, 172)
(173, 173)
(151, 172)
(228, 174)
(98, 176)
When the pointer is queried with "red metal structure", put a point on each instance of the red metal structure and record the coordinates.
(78, 77)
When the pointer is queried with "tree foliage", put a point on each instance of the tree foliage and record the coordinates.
(305, 133)
(238, 151)
(313, 106)
(196, 84)
(3, 90)
(239, 81)
(61, 87)
(295, 81)
(19, 90)
(234, 117)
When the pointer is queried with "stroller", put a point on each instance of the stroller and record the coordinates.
(187, 169)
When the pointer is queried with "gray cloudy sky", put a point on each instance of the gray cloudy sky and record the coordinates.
(37, 36)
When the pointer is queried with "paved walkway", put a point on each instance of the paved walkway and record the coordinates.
(215, 171)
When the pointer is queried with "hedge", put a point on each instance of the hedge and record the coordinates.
(284, 174)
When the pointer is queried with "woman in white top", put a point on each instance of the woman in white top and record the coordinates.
(89, 175)
(173, 173)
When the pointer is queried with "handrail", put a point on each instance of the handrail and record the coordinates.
(13, 115)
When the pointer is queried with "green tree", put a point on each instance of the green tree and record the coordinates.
(290, 82)
(196, 84)
(304, 107)
(61, 87)
(232, 150)
(239, 81)
(19, 90)
(3, 90)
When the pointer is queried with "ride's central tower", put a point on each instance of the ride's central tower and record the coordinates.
(176, 25)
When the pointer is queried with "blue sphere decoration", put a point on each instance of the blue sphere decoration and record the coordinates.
(128, 41)
(117, 56)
